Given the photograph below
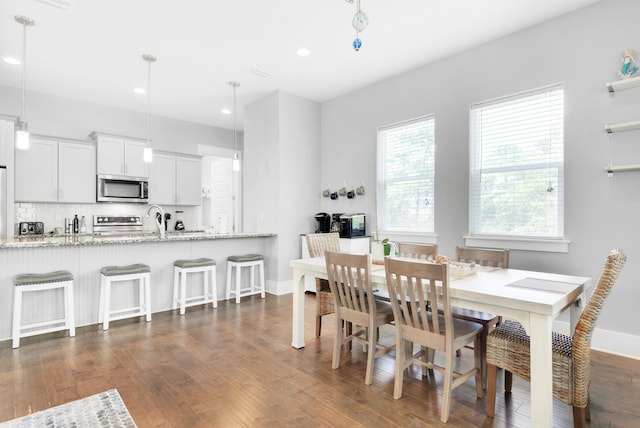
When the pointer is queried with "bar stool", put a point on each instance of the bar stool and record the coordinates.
(136, 272)
(180, 270)
(239, 262)
(31, 282)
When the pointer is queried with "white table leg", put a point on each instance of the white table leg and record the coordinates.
(297, 340)
(541, 371)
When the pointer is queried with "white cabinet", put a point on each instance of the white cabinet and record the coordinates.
(52, 171)
(120, 156)
(174, 180)
(353, 245)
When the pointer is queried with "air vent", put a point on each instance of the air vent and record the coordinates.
(62, 4)
(260, 73)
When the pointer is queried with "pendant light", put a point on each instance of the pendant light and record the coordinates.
(236, 160)
(22, 133)
(148, 151)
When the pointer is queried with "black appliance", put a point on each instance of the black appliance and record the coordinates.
(31, 228)
(335, 222)
(324, 223)
(352, 225)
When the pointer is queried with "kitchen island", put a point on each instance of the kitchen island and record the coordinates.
(85, 255)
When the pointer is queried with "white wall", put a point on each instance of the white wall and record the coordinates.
(582, 50)
(281, 174)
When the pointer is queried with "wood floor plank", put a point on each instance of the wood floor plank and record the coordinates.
(234, 367)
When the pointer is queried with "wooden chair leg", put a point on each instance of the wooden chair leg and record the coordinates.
(318, 325)
(508, 380)
(579, 417)
(492, 374)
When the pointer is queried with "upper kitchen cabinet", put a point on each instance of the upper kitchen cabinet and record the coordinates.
(174, 180)
(52, 171)
(120, 156)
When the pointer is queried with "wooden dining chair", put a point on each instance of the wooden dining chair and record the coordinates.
(350, 282)
(318, 244)
(413, 283)
(417, 251)
(497, 258)
(508, 347)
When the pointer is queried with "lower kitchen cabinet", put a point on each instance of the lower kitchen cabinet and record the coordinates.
(175, 180)
(56, 171)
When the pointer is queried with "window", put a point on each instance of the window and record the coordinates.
(517, 166)
(405, 196)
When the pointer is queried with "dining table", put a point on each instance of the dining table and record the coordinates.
(535, 299)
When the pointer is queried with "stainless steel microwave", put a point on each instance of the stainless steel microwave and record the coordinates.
(113, 188)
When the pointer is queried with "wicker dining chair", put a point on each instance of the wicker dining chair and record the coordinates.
(508, 348)
(355, 304)
(413, 282)
(318, 244)
(496, 258)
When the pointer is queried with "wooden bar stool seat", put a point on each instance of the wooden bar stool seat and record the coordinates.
(136, 272)
(241, 261)
(209, 293)
(33, 282)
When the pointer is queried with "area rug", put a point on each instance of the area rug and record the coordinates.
(105, 409)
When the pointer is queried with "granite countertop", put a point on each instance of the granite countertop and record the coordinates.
(70, 240)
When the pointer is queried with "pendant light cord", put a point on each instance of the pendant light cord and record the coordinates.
(148, 100)
(24, 65)
(235, 118)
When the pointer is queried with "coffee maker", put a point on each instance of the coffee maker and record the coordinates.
(324, 223)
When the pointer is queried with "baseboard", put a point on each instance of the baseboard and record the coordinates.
(279, 288)
(612, 342)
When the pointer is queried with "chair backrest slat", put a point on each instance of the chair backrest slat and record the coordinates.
(412, 286)
(417, 251)
(483, 256)
(350, 281)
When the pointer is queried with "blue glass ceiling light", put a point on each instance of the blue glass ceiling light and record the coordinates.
(360, 22)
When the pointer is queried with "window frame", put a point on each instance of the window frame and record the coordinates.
(549, 243)
(382, 227)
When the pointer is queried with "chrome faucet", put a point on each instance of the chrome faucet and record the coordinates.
(159, 219)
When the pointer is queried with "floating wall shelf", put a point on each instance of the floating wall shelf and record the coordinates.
(610, 169)
(620, 85)
(620, 127)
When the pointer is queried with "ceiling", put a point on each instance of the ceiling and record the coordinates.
(93, 50)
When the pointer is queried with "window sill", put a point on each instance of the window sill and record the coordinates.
(526, 244)
(415, 237)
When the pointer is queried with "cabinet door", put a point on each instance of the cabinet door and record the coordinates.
(355, 245)
(162, 179)
(135, 166)
(110, 155)
(76, 173)
(36, 174)
(188, 181)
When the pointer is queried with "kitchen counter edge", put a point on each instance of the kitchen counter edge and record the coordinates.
(70, 240)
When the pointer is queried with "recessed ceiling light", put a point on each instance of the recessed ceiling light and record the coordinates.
(226, 111)
(303, 52)
(12, 61)
(140, 91)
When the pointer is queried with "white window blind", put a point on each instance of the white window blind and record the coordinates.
(405, 193)
(517, 165)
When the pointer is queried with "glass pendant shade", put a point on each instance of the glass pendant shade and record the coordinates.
(236, 162)
(147, 154)
(22, 136)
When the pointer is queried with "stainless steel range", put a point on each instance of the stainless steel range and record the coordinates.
(117, 225)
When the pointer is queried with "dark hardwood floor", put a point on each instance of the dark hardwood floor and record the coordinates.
(235, 367)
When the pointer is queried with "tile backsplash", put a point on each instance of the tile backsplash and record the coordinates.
(53, 215)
